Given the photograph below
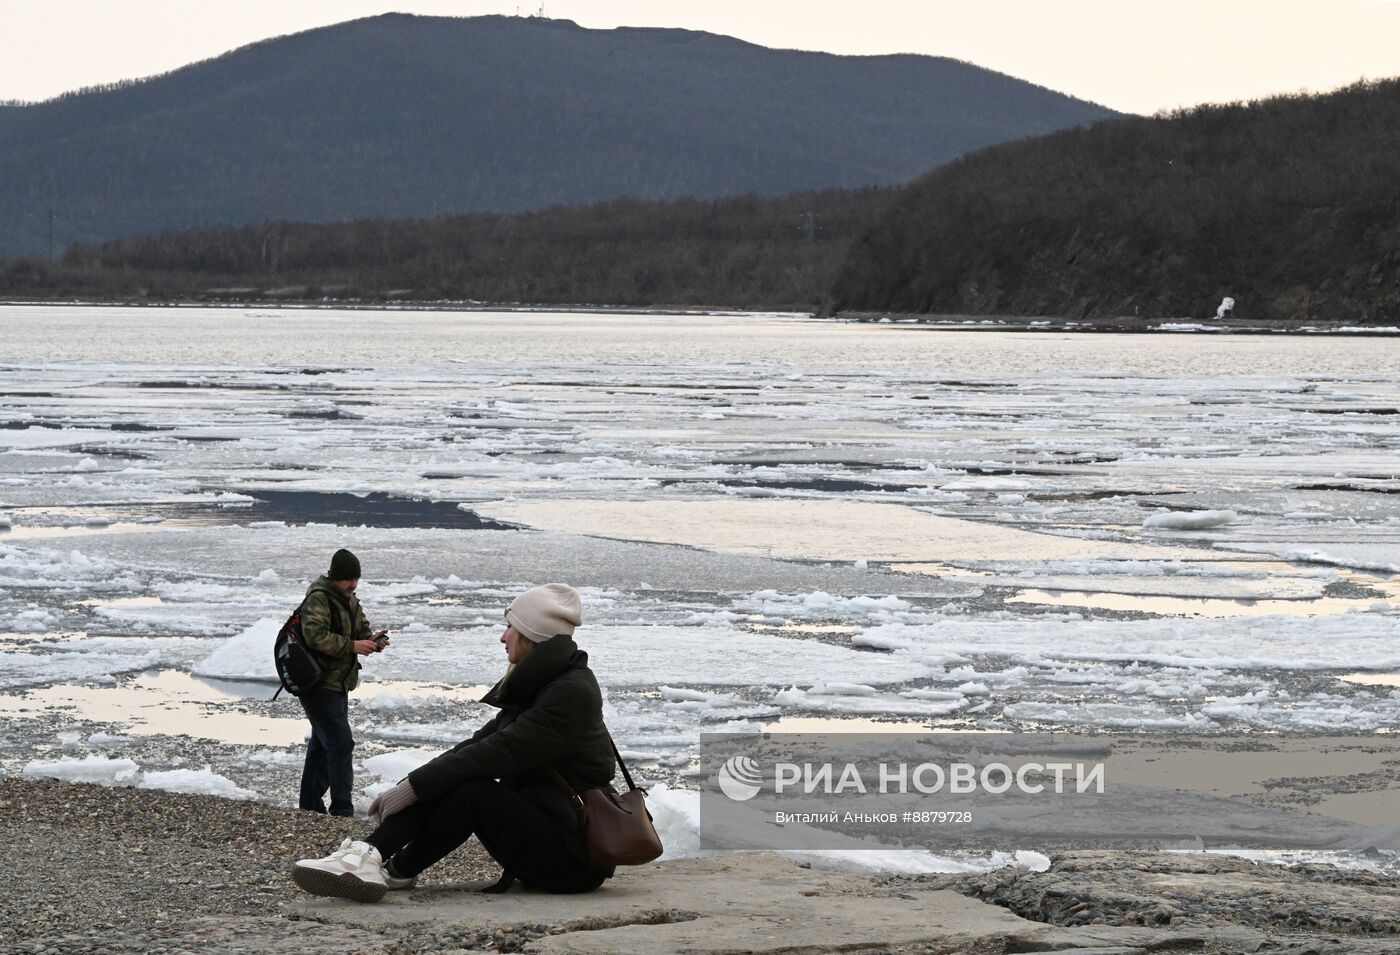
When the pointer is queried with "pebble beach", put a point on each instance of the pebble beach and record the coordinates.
(112, 871)
(127, 870)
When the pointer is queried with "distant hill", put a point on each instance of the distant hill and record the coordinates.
(399, 116)
(1290, 205)
(740, 252)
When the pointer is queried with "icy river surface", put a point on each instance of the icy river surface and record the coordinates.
(774, 522)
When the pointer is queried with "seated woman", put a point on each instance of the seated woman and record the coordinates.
(497, 785)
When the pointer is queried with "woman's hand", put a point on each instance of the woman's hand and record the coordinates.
(391, 801)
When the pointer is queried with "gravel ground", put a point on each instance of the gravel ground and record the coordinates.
(127, 870)
(100, 871)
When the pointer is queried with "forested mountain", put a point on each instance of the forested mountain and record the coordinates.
(1289, 205)
(399, 116)
(741, 252)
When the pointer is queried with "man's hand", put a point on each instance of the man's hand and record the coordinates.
(382, 638)
(365, 647)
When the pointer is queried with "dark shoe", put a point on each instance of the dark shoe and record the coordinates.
(503, 884)
(396, 883)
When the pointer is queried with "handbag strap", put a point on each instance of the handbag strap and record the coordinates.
(625, 774)
(573, 796)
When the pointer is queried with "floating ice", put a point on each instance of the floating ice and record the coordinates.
(1253, 643)
(679, 698)
(1117, 715)
(623, 656)
(33, 620)
(1189, 520)
(1368, 557)
(940, 695)
(830, 530)
(84, 661)
(35, 438)
(445, 734)
(635, 432)
(820, 699)
(247, 656)
(822, 688)
(820, 604)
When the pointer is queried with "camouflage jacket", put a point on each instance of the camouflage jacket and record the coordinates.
(331, 623)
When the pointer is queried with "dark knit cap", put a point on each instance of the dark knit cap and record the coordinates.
(344, 566)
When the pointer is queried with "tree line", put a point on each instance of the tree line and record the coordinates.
(741, 252)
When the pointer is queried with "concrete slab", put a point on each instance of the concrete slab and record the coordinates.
(933, 920)
(736, 902)
(742, 883)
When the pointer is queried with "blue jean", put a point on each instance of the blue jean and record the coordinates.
(328, 753)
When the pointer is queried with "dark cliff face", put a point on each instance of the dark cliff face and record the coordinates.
(416, 116)
(1289, 205)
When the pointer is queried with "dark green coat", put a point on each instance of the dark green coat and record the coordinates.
(551, 714)
(334, 634)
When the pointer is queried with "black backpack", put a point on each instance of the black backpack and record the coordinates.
(300, 667)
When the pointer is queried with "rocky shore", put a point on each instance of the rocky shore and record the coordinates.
(123, 871)
(132, 870)
(1123, 324)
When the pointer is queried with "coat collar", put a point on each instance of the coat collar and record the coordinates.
(324, 584)
(542, 666)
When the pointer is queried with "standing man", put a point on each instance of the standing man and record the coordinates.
(335, 626)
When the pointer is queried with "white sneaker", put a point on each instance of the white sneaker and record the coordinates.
(354, 871)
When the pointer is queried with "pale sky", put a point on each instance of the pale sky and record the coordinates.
(1133, 55)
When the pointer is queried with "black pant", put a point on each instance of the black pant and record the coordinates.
(523, 838)
(328, 752)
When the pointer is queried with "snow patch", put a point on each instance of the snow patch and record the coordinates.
(395, 765)
(195, 782)
(90, 769)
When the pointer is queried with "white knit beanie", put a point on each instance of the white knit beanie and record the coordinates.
(546, 611)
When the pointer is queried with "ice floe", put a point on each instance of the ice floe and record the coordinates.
(769, 520)
(1189, 520)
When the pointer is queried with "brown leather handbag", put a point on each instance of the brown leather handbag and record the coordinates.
(616, 829)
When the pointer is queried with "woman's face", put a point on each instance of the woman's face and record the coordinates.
(517, 647)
